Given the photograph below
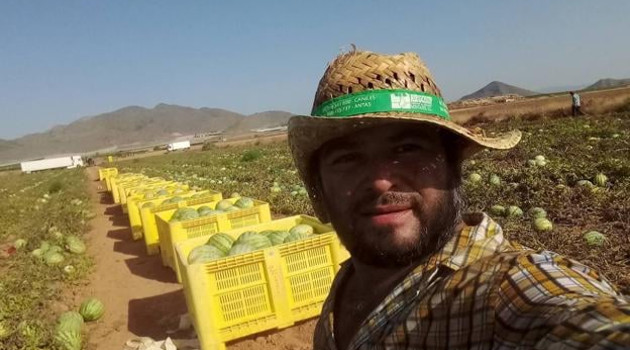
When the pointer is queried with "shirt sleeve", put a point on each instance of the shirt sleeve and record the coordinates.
(549, 302)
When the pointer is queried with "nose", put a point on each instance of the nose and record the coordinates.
(379, 175)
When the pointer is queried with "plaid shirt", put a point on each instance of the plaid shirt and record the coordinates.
(483, 292)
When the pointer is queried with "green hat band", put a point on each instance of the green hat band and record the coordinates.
(373, 101)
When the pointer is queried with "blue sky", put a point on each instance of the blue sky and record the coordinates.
(62, 60)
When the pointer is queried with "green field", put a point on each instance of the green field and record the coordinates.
(575, 149)
(50, 206)
(40, 210)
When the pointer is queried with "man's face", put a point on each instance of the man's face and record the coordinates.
(389, 192)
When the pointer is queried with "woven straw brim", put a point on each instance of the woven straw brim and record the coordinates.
(307, 134)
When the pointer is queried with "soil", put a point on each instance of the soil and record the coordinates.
(142, 297)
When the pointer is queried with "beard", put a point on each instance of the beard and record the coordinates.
(426, 235)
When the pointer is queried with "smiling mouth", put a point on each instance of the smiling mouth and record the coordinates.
(388, 215)
(385, 210)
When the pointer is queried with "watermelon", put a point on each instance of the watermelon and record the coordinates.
(235, 195)
(149, 195)
(244, 203)
(19, 243)
(531, 162)
(513, 211)
(540, 158)
(474, 177)
(44, 246)
(541, 163)
(495, 180)
(68, 269)
(91, 309)
(543, 225)
(497, 210)
(223, 204)
(537, 212)
(162, 192)
(38, 253)
(54, 249)
(240, 248)
(53, 258)
(185, 214)
(221, 241)
(267, 232)
(277, 237)
(231, 209)
(302, 229)
(210, 212)
(254, 239)
(68, 340)
(204, 253)
(594, 238)
(600, 180)
(75, 245)
(585, 183)
(70, 321)
(203, 208)
(295, 236)
(4, 330)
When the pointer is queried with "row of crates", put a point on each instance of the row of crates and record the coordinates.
(239, 295)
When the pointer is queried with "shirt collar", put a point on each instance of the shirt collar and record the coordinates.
(479, 238)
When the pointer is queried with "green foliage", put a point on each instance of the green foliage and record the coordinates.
(55, 187)
(34, 210)
(251, 155)
(208, 146)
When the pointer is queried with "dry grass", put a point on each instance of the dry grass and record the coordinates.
(593, 102)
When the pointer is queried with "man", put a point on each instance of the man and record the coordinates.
(381, 160)
(575, 104)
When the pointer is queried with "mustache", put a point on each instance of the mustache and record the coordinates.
(407, 199)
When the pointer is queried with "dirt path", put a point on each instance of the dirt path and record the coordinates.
(142, 297)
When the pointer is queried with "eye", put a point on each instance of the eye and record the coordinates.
(344, 158)
(407, 148)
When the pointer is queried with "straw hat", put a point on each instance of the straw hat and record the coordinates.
(361, 89)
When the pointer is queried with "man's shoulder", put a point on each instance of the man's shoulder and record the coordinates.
(552, 275)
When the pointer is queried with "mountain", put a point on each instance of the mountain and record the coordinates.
(561, 88)
(134, 126)
(497, 88)
(261, 120)
(608, 83)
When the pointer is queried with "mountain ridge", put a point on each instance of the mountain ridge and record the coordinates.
(134, 125)
(497, 88)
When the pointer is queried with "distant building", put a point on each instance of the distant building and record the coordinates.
(276, 128)
(207, 134)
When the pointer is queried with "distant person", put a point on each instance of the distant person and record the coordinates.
(576, 103)
(382, 160)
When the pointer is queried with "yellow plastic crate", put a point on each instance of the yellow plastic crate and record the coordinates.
(137, 197)
(238, 296)
(106, 172)
(122, 179)
(113, 180)
(149, 225)
(115, 174)
(119, 185)
(124, 189)
(171, 233)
